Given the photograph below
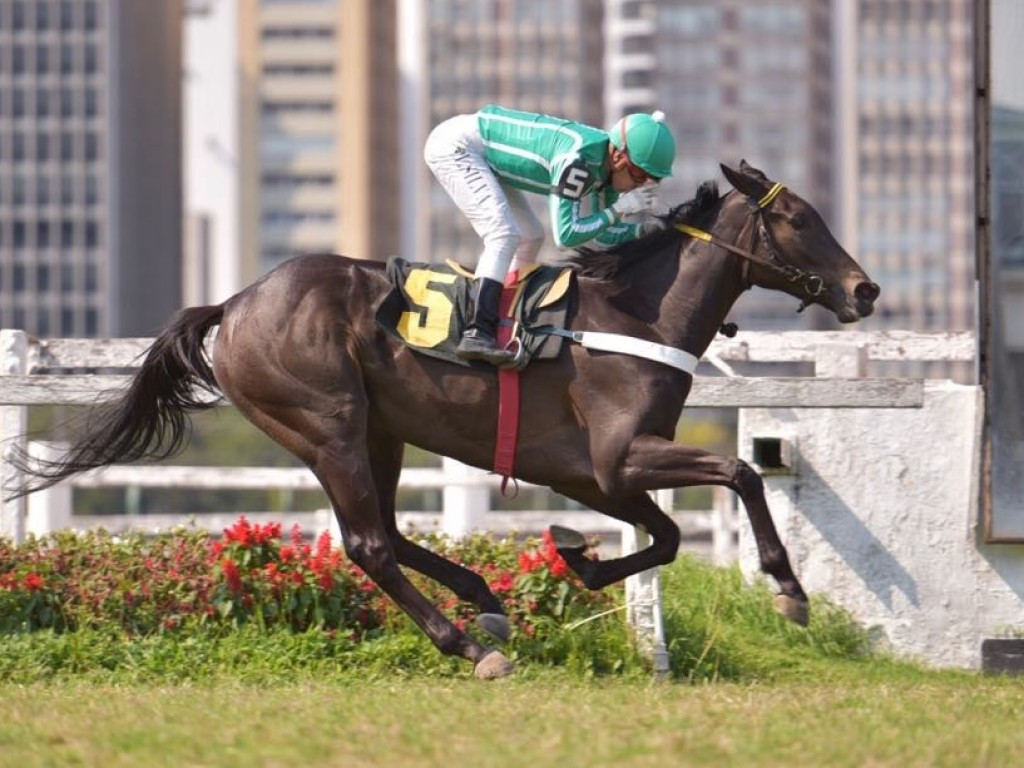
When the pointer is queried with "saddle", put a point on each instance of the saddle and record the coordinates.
(429, 304)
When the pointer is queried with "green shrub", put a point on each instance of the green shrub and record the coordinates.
(253, 603)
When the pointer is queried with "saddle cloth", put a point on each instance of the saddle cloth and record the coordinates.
(429, 304)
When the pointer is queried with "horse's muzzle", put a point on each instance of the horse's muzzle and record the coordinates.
(865, 294)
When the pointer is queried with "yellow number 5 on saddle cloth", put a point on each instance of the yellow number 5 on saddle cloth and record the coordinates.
(428, 305)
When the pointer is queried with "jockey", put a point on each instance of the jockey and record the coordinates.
(486, 161)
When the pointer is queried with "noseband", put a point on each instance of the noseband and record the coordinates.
(811, 284)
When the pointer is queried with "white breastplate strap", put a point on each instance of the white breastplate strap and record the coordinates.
(627, 345)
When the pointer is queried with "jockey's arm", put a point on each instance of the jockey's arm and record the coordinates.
(572, 226)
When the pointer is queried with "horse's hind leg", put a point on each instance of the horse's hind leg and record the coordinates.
(386, 462)
(637, 509)
(348, 480)
(330, 437)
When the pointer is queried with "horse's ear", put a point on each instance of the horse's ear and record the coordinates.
(748, 180)
(749, 170)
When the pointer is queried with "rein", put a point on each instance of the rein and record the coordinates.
(812, 284)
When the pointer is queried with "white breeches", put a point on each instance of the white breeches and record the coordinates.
(454, 152)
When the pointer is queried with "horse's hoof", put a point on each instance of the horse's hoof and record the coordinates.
(793, 609)
(567, 538)
(493, 666)
(494, 624)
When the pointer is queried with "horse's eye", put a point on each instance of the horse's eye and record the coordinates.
(797, 221)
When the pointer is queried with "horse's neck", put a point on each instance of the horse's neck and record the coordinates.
(707, 283)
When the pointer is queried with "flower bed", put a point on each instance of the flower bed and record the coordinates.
(256, 575)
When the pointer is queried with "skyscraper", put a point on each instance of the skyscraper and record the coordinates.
(318, 123)
(90, 156)
(908, 199)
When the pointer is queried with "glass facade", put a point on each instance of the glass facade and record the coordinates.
(53, 171)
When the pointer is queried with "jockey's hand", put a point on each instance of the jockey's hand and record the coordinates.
(652, 224)
(639, 200)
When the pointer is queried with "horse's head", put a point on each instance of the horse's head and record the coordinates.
(798, 253)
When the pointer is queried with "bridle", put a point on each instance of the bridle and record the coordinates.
(810, 283)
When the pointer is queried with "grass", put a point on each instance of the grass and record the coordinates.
(748, 690)
(540, 718)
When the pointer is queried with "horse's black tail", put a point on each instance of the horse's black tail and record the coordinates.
(150, 419)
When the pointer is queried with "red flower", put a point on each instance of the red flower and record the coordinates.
(530, 561)
(504, 583)
(240, 532)
(34, 582)
(232, 575)
(263, 535)
(323, 545)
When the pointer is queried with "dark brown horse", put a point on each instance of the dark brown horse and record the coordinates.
(299, 353)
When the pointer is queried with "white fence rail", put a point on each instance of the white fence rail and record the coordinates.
(66, 371)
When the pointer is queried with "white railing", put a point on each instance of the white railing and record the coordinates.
(56, 371)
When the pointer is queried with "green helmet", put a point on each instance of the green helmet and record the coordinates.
(648, 142)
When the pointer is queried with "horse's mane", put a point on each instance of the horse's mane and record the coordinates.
(604, 265)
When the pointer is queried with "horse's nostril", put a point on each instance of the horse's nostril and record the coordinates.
(867, 291)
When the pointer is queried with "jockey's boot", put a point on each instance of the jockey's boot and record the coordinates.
(479, 340)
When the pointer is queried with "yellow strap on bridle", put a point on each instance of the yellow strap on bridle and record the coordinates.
(771, 195)
(700, 234)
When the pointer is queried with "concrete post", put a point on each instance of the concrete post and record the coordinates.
(13, 426)
(723, 526)
(643, 595)
(465, 504)
(49, 510)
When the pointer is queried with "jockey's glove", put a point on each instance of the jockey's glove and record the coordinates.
(652, 224)
(639, 200)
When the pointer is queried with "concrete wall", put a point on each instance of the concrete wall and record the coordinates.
(880, 514)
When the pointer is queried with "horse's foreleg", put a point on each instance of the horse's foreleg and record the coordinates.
(386, 463)
(652, 463)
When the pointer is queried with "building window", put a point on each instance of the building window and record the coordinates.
(298, 33)
(42, 59)
(92, 59)
(91, 16)
(42, 16)
(18, 15)
(67, 59)
(18, 65)
(17, 102)
(42, 103)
